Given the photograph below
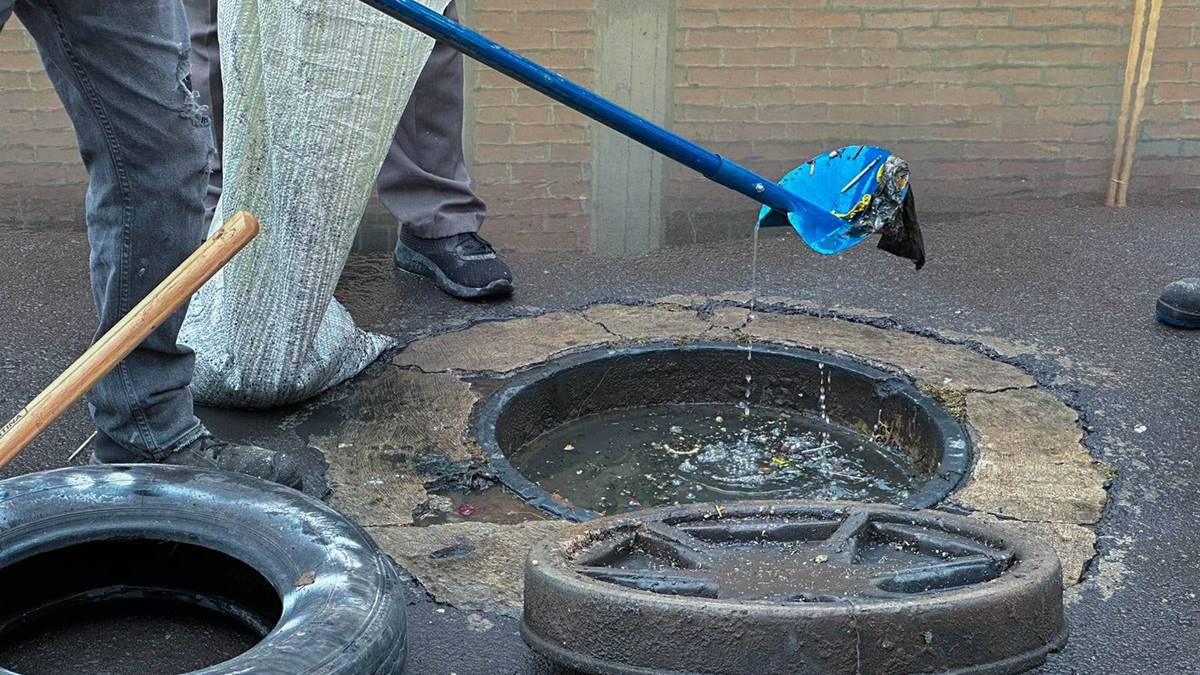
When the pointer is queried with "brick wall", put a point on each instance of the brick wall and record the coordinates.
(998, 99)
(532, 156)
(1169, 151)
(990, 97)
(41, 178)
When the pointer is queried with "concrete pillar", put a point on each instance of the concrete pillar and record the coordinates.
(634, 59)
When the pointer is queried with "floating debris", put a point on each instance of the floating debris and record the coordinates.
(679, 454)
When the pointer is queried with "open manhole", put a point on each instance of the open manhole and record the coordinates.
(796, 587)
(610, 431)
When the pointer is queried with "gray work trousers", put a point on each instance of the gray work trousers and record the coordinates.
(424, 181)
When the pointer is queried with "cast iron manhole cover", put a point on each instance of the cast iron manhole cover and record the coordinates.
(793, 587)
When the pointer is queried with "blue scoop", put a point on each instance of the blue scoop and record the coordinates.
(818, 199)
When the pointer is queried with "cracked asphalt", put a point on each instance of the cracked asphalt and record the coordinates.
(1067, 293)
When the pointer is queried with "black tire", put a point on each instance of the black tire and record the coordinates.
(336, 596)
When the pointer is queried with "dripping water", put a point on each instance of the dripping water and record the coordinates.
(825, 380)
(749, 332)
(825, 377)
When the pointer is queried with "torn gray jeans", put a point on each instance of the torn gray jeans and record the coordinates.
(313, 96)
(120, 69)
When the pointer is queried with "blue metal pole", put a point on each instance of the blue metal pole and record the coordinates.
(711, 165)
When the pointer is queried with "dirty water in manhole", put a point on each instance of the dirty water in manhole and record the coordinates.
(618, 430)
(626, 458)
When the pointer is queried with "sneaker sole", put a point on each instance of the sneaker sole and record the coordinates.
(1176, 317)
(414, 263)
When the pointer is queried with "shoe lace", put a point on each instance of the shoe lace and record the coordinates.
(212, 447)
(473, 244)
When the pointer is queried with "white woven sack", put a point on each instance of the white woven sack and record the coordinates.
(313, 94)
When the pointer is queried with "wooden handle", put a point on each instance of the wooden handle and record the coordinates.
(124, 337)
(1139, 102)
(1131, 62)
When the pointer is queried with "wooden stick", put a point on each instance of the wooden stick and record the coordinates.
(124, 337)
(1139, 103)
(1131, 62)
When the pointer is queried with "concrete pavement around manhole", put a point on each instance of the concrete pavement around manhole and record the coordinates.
(406, 427)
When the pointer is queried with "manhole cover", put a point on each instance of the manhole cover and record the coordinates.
(618, 430)
(797, 587)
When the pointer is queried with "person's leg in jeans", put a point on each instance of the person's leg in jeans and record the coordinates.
(121, 70)
(424, 183)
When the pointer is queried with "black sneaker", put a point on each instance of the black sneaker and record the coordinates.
(251, 460)
(1179, 305)
(464, 265)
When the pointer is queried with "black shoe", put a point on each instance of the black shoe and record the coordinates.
(251, 460)
(1179, 305)
(463, 265)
